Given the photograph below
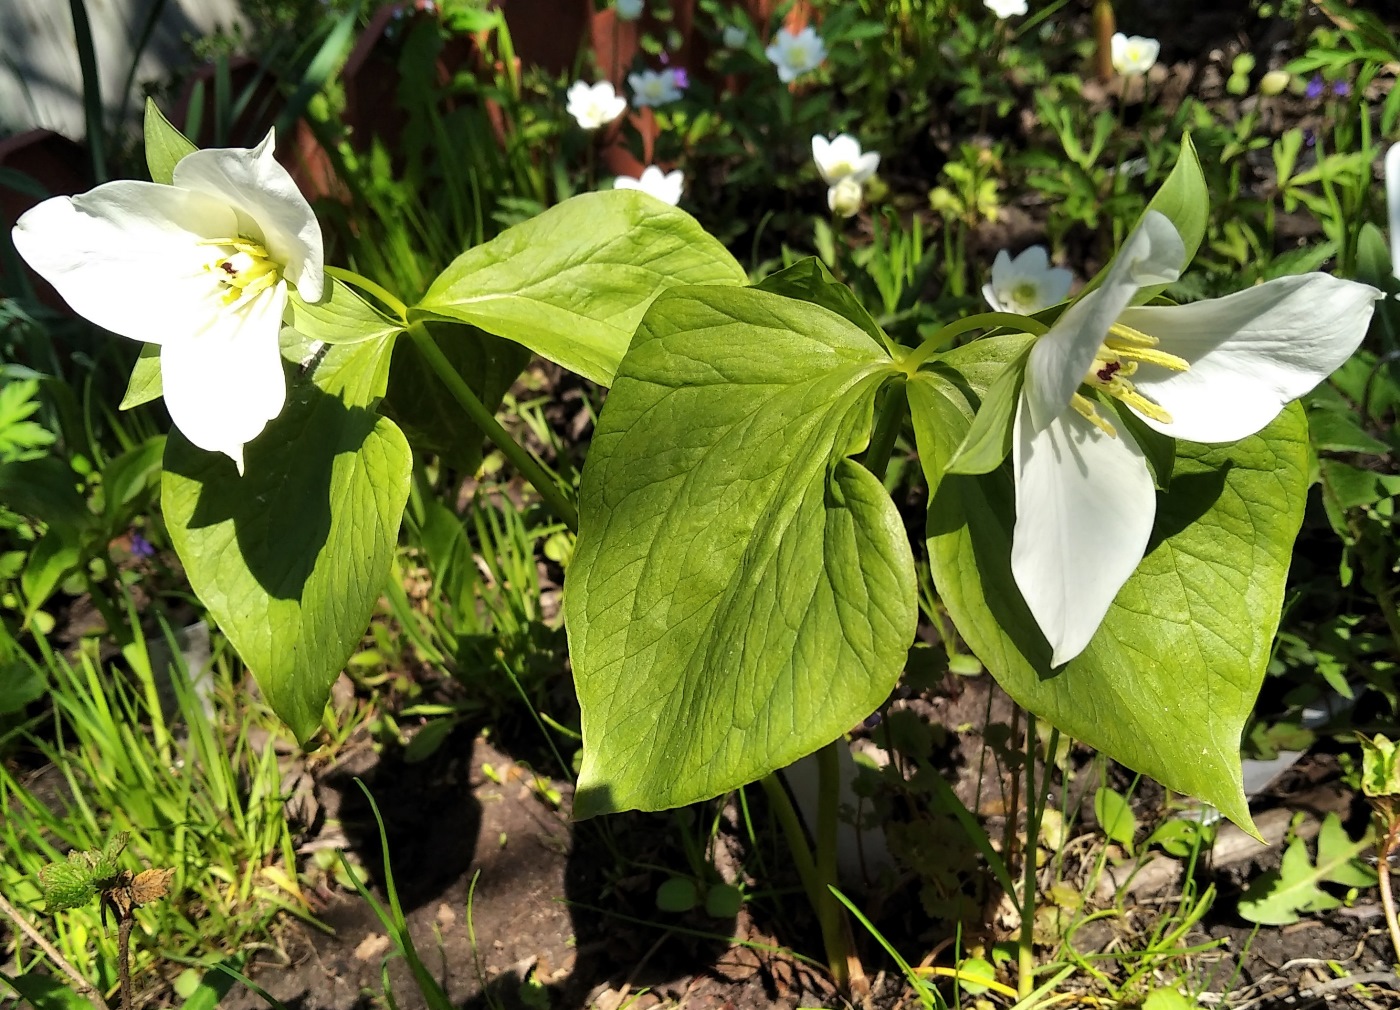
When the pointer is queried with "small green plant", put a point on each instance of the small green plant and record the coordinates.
(1380, 782)
(1282, 896)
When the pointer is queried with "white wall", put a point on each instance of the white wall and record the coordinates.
(40, 81)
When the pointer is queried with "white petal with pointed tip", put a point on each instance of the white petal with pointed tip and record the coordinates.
(1153, 254)
(1250, 352)
(1084, 511)
(263, 193)
(126, 255)
(223, 384)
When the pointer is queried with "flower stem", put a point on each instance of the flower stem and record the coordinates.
(981, 321)
(365, 284)
(886, 430)
(524, 461)
(809, 871)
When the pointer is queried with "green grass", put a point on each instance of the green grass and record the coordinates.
(197, 792)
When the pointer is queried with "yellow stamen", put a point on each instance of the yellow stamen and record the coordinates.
(1086, 409)
(245, 271)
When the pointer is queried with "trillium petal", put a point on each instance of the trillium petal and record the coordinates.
(263, 194)
(127, 256)
(1153, 254)
(225, 383)
(1250, 352)
(1392, 200)
(1084, 511)
(989, 292)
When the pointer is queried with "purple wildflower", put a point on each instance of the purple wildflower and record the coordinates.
(1315, 88)
(1341, 89)
(681, 78)
(140, 546)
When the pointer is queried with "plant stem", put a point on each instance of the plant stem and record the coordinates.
(81, 985)
(823, 901)
(1383, 878)
(524, 461)
(124, 960)
(365, 284)
(981, 321)
(886, 430)
(1025, 955)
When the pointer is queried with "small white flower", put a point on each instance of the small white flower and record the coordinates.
(734, 36)
(1210, 371)
(1133, 55)
(1392, 200)
(845, 196)
(594, 105)
(795, 53)
(1026, 284)
(652, 88)
(842, 157)
(666, 187)
(629, 10)
(199, 267)
(1004, 9)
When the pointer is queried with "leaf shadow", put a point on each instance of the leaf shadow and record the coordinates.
(1189, 498)
(281, 507)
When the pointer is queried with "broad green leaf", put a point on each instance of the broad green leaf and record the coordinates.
(20, 683)
(291, 557)
(810, 281)
(424, 408)
(742, 592)
(165, 145)
(144, 384)
(573, 283)
(340, 317)
(1171, 676)
(45, 488)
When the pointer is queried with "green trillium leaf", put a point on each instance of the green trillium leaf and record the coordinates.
(809, 280)
(291, 557)
(165, 145)
(1171, 676)
(742, 592)
(573, 283)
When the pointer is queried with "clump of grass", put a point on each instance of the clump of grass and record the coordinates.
(193, 790)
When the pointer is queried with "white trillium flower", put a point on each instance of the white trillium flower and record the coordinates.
(1210, 371)
(652, 88)
(665, 186)
(594, 105)
(199, 267)
(1133, 54)
(795, 53)
(734, 36)
(842, 158)
(629, 10)
(1026, 284)
(1004, 9)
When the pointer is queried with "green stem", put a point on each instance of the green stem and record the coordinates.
(808, 871)
(829, 913)
(1025, 965)
(529, 467)
(365, 284)
(981, 321)
(887, 425)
